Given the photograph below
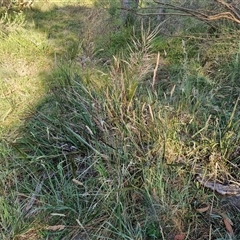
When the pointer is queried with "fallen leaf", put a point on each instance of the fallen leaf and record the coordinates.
(56, 228)
(77, 182)
(228, 227)
(228, 224)
(180, 236)
(204, 209)
(224, 216)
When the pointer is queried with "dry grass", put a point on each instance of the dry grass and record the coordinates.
(112, 150)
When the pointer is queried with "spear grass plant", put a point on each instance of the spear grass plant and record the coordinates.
(111, 154)
(110, 157)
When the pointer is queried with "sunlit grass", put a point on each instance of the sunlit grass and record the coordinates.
(108, 148)
(24, 57)
(30, 47)
(131, 150)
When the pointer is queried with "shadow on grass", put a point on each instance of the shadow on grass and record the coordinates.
(67, 37)
(67, 139)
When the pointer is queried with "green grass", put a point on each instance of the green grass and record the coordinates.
(96, 146)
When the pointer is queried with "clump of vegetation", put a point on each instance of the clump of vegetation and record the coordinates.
(118, 137)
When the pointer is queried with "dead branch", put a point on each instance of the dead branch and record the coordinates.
(229, 7)
(225, 15)
(182, 9)
(154, 14)
(231, 15)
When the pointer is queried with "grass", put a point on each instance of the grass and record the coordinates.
(96, 146)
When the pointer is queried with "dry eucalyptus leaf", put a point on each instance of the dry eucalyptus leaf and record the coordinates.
(228, 227)
(55, 228)
(224, 216)
(228, 224)
(204, 209)
(77, 182)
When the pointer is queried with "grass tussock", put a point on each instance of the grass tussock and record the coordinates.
(113, 149)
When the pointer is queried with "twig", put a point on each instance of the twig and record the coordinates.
(155, 71)
(205, 17)
(230, 7)
(226, 15)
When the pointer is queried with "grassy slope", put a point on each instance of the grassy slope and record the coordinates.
(131, 149)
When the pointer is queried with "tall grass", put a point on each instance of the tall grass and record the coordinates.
(111, 152)
(115, 157)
